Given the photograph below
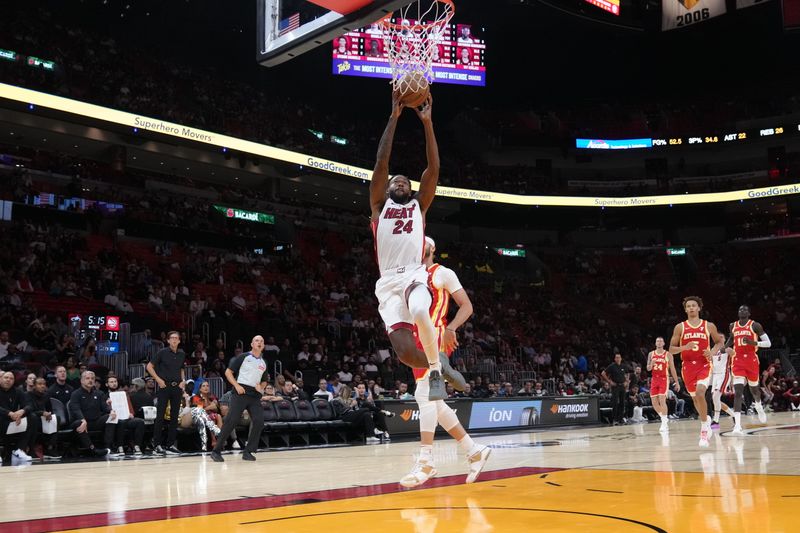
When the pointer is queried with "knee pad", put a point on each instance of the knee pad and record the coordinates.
(427, 415)
(447, 417)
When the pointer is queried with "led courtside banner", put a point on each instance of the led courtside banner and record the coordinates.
(141, 123)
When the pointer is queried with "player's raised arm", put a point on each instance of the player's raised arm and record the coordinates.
(430, 177)
(380, 174)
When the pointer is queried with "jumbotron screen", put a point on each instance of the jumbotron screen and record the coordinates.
(458, 56)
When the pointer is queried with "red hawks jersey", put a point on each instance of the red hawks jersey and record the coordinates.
(442, 282)
(740, 333)
(698, 334)
(660, 362)
(399, 235)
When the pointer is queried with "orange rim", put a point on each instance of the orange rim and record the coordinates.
(388, 24)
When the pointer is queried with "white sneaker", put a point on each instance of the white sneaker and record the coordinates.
(762, 416)
(236, 445)
(421, 473)
(476, 463)
(737, 430)
(373, 440)
(120, 450)
(378, 432)
(386, 436)
(21, 456)
(137, 450)
(704, 436)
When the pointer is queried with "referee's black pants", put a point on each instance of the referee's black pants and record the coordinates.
(617, 402)
(240, 402)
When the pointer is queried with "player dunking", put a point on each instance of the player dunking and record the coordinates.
(398, 224)
(692, 339)
(746, 338)
(443, 283)
(660, 363)
(720, 384)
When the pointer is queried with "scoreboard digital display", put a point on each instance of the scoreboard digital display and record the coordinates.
(104, 329)
(458, 54)
(717, 137)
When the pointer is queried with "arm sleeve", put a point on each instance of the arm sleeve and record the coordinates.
(447, 279)
(764, 342)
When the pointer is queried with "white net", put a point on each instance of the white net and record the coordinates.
(410, 39)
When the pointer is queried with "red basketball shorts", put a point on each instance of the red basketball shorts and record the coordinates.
(696, 372)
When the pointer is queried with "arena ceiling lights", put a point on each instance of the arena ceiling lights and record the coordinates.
(138, 122)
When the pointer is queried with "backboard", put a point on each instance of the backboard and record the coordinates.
(288, 28)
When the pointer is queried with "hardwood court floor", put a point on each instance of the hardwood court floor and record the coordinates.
(622, 479)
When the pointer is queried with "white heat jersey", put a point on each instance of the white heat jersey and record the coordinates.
(720, 362)
(399, 235)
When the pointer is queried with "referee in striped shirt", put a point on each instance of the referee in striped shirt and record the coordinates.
(248, 375)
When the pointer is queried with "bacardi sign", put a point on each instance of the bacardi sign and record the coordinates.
(241, 214)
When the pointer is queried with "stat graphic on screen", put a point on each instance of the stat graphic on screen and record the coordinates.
(458, 54)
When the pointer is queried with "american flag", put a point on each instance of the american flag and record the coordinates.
(289, 24)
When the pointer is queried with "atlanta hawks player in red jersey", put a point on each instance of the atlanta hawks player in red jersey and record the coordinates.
(443, 283)
(747, 336)
(660, 363)
(692, 339)
(398, 224)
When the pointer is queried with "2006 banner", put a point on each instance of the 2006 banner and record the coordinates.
(682, 13)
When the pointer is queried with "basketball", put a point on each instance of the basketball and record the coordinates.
(413, 88)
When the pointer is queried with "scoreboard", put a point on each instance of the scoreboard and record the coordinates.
(458, 56)
(104, 329)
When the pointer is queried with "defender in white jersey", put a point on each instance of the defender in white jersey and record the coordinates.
(720, 384)
(398, 224)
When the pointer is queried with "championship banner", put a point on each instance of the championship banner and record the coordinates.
(682, 13)
(741, 4)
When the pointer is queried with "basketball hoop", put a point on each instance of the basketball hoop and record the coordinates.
(410, 46)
